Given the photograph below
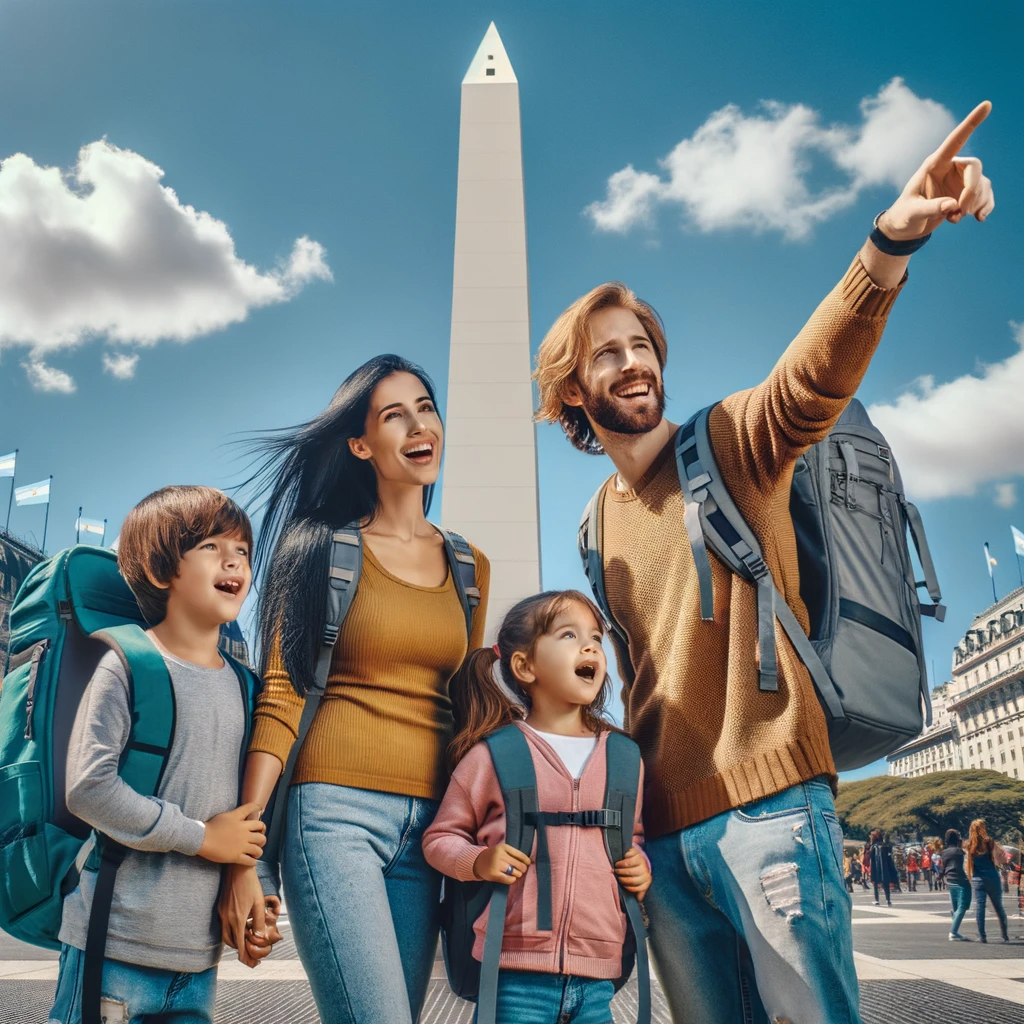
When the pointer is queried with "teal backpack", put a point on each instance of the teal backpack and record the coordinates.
(69, 611)
(464, 902)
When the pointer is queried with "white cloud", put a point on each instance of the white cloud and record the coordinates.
(120, 364)
(1006, 495)
(952, 438)
(48, 378)
(740, 171)
(110, 251)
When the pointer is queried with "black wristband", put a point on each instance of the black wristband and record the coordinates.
(891, 247)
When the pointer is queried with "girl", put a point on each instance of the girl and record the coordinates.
(984, 858)
(363, 903)
(549, 650)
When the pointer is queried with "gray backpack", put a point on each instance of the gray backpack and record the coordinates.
(865, 654)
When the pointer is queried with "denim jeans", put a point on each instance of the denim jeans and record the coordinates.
(362, 901)
(750, 920)
(132, 994)
(533, 997)
(960, 897)
(990, 886)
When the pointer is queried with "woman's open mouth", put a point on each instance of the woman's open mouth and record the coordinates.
(421, 454)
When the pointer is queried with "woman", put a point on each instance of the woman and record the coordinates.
(984, 857)
(883, 870)
(362, 901)
(952, 874)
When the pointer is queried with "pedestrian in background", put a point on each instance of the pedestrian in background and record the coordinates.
(912, 867)
(926, 866)
(984, 855)
(940, 881)
(883, 869)
(951, 872)
(865, 864)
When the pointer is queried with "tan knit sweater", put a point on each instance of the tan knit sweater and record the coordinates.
(385, 720)
(711, 739)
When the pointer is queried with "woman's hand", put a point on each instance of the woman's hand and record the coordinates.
(493, 865)
(633, 873)
(258, 948)
(242, 898)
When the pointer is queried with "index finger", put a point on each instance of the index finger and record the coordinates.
(956, 139)
(513, 854)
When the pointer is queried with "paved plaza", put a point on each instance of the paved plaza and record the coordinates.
(909, 971)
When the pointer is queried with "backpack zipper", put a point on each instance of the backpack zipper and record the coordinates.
(30, 692)
(570, 877)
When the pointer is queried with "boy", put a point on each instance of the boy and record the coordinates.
(184, 552)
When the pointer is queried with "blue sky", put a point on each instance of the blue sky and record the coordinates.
(339, 124)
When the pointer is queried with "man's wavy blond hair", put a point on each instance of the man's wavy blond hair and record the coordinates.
(565, 349)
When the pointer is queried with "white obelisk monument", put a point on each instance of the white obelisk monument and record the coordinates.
(490, 471)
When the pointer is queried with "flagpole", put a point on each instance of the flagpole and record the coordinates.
(78, 526)
(10, 500)
(103, 538)
(46, 521)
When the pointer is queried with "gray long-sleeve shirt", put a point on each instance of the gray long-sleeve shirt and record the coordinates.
(164, 907)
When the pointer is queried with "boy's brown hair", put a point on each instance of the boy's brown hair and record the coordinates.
(567, 345)
(162, 527)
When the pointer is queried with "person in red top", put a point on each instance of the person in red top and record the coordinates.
(912, 869)
(926, 866)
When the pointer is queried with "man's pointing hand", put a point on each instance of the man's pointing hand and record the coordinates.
(945, 187)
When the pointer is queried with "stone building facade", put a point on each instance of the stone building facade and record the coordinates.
(982, 706)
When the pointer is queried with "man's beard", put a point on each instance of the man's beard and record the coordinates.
(608, 413)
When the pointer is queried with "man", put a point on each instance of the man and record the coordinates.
(748, 914)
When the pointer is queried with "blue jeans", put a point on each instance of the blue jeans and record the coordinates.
(988, 885)
(362, 901)
(132, 994)
(960, 897)
(533, 997)
(750, 919)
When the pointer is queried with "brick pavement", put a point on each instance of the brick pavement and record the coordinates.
(909, 971)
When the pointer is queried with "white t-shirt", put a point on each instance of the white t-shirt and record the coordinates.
(573, 750)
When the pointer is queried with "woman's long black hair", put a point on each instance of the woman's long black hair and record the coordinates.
(315, 486)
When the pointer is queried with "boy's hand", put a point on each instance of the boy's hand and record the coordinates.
(633, 873)
(230, 839)
(492, 865)
(257, 947)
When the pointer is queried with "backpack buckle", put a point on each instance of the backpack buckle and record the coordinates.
(330, 634)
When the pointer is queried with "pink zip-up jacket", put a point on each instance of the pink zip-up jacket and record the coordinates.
(589, 926)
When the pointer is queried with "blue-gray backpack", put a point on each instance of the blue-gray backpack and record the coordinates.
(342, 583)
(865, 654)
(464, 902)
(69, 611)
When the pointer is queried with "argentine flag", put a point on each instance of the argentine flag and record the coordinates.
(33, 494)
(83, 525)
(7, 464)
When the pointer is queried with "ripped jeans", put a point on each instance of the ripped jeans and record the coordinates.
(750, 919)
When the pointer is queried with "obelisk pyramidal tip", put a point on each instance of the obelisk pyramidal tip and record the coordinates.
(490, 476)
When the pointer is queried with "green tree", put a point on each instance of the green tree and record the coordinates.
(930, 804)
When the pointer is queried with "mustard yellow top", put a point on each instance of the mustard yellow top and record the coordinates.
(385, 719)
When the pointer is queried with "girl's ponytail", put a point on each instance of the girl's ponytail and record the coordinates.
(479, 704)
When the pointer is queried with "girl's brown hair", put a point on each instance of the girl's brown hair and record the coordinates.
(479, 703)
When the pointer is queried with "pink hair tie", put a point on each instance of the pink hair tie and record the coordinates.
(494, 647)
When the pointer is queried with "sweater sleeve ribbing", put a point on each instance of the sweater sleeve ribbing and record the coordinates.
(762, 431)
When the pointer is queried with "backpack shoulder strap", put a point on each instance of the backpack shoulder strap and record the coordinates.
(621, 791)
(342, 582)
(589, 543)
(713, 521)
(513, 764)
(250, 684)
(142, 766)
(462, 564)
